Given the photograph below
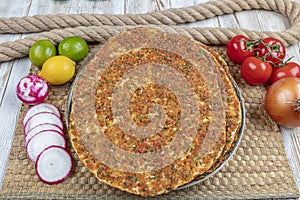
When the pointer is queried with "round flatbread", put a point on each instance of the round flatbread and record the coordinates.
(151, 112)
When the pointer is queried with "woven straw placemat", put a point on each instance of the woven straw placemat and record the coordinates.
(258, 169)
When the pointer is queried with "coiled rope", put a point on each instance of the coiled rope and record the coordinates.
(100, 27)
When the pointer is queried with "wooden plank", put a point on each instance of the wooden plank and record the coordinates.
(9, 110)
(138, 6)
(16, 8)
(76, 6)
(9, 76)
(212, 22)
(10, 9)
(291, 139)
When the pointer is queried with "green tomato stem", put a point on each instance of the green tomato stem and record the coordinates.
(271, 48)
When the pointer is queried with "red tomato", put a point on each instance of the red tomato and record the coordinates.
(239, 48)
(255, 71)
(291, 69)
(271, 50)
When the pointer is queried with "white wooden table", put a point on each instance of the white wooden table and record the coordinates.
(12, 72)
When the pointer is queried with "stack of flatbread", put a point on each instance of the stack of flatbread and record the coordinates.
(152, 112)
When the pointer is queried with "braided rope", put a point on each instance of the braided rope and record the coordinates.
(100, 27)
(189, 14)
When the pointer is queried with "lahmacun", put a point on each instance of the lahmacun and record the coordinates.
(137, 80)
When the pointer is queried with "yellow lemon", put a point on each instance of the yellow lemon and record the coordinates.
(58, 70)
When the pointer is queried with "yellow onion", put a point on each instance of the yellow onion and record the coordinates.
(282, 102)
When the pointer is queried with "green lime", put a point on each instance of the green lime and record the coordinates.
(74, 48)
(40, 51)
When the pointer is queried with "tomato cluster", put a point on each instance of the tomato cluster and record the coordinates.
(261, 61)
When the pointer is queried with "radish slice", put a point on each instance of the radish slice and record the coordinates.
(43, 140)
(54, 165)
(32, 89)
(38, 130)
(42, 107)
(42, 127)
(43, 118)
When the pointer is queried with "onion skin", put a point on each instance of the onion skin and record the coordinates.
(282, 102)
